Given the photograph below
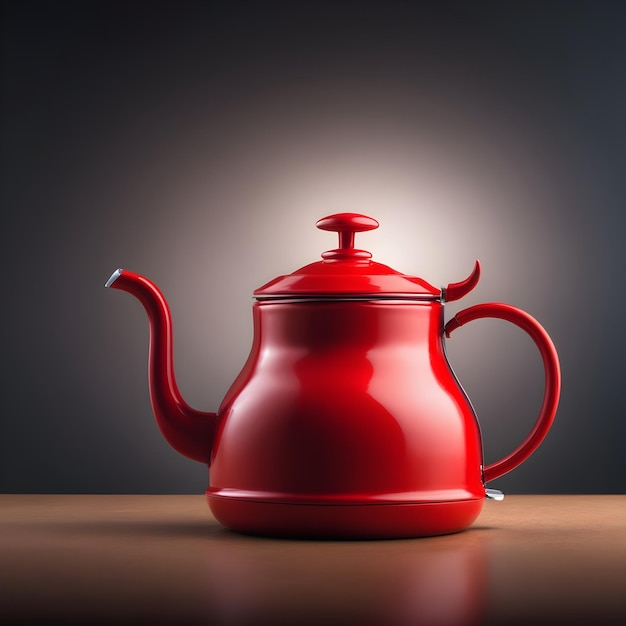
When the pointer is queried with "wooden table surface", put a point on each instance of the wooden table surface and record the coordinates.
(164, 560)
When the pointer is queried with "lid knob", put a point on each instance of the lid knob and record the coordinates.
(346, 225)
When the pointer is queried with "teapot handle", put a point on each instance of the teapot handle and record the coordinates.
(552, 370)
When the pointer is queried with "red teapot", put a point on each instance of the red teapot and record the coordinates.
(346, 420)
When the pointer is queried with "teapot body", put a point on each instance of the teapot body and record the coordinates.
(347, 420)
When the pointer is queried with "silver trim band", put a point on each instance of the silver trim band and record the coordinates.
(356, 298)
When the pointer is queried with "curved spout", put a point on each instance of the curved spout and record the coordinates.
(188, 431)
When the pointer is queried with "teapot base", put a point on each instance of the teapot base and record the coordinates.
(344, 521)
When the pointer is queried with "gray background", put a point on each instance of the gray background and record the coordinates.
(197, 143)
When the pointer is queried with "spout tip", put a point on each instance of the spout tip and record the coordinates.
(114, 276)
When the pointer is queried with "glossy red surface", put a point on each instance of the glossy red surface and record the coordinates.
(188, 431)
(347, 403)
(346, 225)
(346, 420)
(552, 370)
(455, 291)
(375, 521)
(347, 271)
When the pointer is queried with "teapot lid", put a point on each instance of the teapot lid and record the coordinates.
(347, 272)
